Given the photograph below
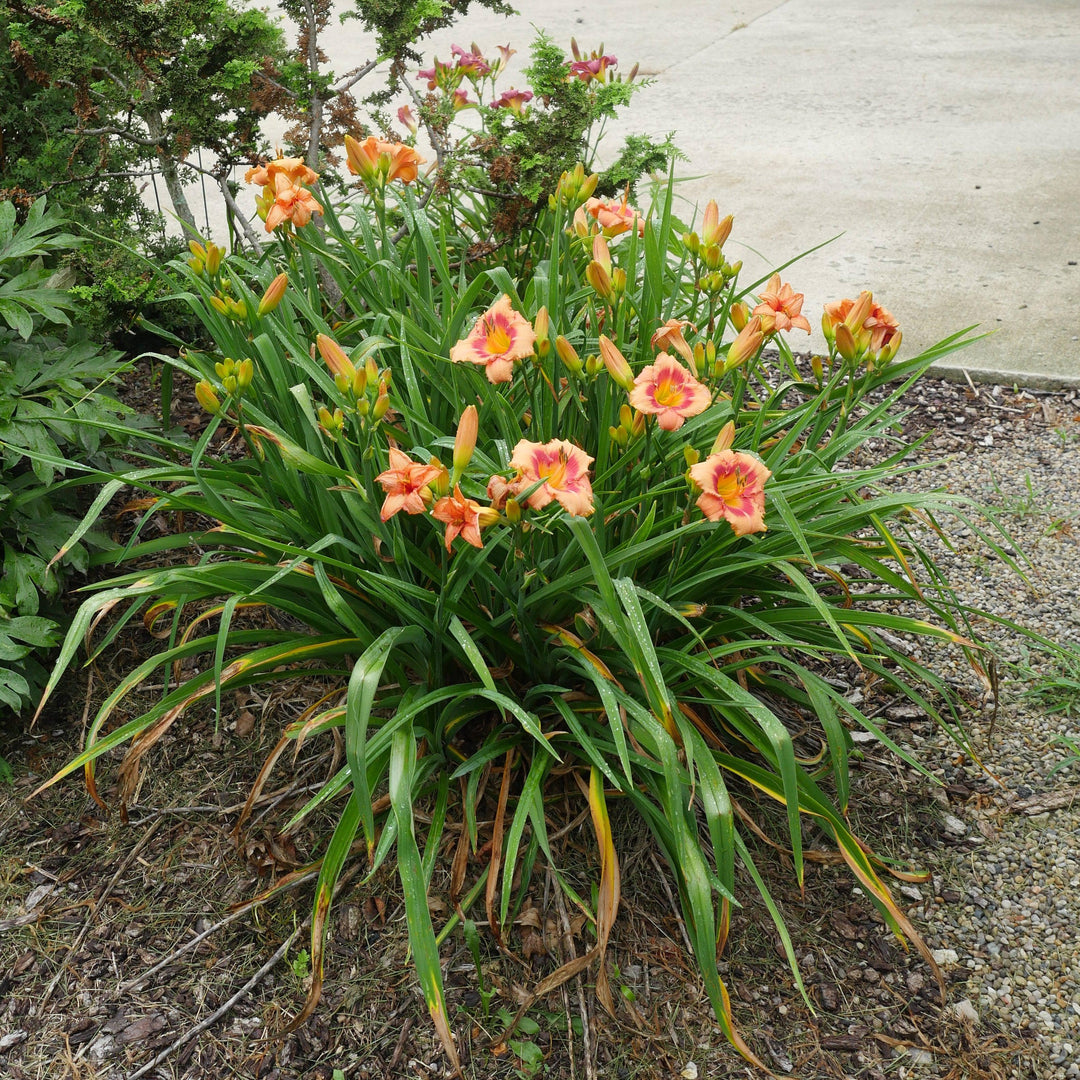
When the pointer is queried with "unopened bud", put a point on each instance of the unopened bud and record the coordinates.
(817, 367)
(245, 372)
(541, 328)
(205, 396)
(381, 407)
(213, 259)
(441, 484)
(465, 440)
(616, 363)
(568, 354)
(739, 315)
(845, 343)
(725, 438)
(274, 292)
(513, 511)
(218, 304)
(691, 456)
(359, 383)
(746, 344)
(336, 359)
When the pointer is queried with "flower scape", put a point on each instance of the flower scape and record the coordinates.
(582, 533)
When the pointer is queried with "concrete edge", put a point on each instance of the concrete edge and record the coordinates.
(1004, 377)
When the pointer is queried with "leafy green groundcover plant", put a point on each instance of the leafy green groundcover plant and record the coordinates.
(53, 411)
(572, 525)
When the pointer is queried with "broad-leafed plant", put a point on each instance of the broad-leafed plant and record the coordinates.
(588, 526)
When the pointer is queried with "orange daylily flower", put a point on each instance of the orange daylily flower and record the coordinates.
(669, 392)
(732, 487)
(501, 336)
(378, 162)
(293, 169)
(463, 517)
(869, 330)
(406, 485)
(564, 470)
(670, 336)
(614, 216)
(780, 308)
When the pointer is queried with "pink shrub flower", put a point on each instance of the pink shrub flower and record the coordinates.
(406, 485)
(780, 308)
(564, 470)
(732, 487)
(501, 336)
(669, 392)
(462, 518)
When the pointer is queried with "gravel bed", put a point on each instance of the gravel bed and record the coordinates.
(1004, 909)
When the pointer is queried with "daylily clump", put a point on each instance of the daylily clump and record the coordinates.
(501, 336)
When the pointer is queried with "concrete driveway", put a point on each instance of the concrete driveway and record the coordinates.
(940, 138)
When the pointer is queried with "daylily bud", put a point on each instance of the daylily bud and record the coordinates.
(228, 384)
(245, 372)
(274, 292)
(589, 186)
(739, 315)
(626, 416)
(237, 309)
(513, 511)
(541, 328)
(859, 311)
(600, 252)
(465, 440)
(224, 367)
(441, 484)
(381, 407)
(817, 367)
(363, 407)
(637, 428)
(205, 396)
(691, 456)
(359, 383)
(197, 250)
(710, 357)
(713, 230)
(618, 435)
(600, 280)
(845, 343)
(214, 255)
(372, 369)
(745, 345)
(568, 354)
(890, 350)
(689, 610)
(593, 364)
(333, 423)
(197, 267)
(616, 363)
(487, 516)
(725, 438)
(218, 304)
(618, 281)
(335, 358)
(691, 242)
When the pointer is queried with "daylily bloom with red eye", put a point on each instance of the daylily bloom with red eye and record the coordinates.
(564, 470)
(505, 52)
(780, 308)
(445, 75)
(378, 162)
(460, 100)
(462, 517)
(732, 487)
(670, 336)
(471, 64)
(669, 392)
(513, 100)
(291, 203)
(406, 484)
(501, 336)
(615, 216)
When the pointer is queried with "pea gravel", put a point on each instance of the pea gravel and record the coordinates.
(1004, 910)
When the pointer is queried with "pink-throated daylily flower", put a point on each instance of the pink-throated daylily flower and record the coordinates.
(732, 487)
(463, 517)
(471, 64)
(666, 390)
(593, 66)
(564, 470)
(501, 336)
(406, 484)
(780, 308)
(513, 100)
